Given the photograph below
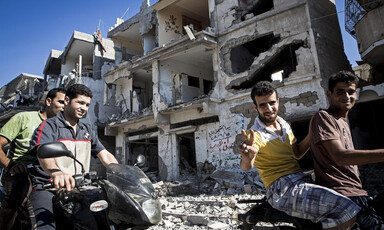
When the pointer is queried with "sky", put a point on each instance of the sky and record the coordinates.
(31, 29)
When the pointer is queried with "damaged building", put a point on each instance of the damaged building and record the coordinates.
(20, 94)
(184, 71)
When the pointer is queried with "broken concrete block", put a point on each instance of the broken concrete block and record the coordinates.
(231, 191)
(234, 215)
(187, 204)
(168, 223)
(198, 219)
(248, 179)
(248, 189)
(217, 185)
(232, 203)
(218, 225)
(231, 179)
(248, 16)
(175, 219)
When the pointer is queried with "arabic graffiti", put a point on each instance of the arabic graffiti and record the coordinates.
(222, 139)
(222, 145)
(221, 133)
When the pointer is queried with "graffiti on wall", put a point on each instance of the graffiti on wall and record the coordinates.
(222, 140)
(222, 132)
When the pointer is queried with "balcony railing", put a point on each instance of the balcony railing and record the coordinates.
(353, 13)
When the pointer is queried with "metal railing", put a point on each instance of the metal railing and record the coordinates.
(353, 13)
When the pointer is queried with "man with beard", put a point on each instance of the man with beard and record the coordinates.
(271, 147)
(334, 155)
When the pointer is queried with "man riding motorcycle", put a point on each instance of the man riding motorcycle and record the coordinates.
(79, 139)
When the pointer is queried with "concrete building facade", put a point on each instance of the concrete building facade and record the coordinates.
(184, 71)
(84, 60)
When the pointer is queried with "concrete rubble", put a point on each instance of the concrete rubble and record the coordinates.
(209, 203)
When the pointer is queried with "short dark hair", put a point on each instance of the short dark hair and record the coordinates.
(78, 89)
(342, 76)
(53, 92)
(262, 88)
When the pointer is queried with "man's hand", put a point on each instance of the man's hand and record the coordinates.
(61, 180)
(247, 151)
(16, 168)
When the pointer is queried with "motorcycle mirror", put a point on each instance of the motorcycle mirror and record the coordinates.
(53, 149)
(140, 160)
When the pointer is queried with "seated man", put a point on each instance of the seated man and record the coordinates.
(79, 138)
(271, 147)
(335, 158)
(18, 132)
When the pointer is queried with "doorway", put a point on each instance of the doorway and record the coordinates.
(187, 153)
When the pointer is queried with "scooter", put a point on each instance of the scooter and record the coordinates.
(264, 212)
(125, 199)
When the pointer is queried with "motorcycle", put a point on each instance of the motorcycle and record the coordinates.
(124, 199)
(264, 212)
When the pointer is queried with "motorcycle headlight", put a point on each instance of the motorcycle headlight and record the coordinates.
(152, 209)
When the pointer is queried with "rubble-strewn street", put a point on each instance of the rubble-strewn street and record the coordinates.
(211, 203)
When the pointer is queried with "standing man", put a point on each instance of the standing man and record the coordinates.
(272, 148)
(79, 138)
(18, 132)
(335, 158)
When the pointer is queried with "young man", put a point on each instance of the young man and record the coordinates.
(18, 132)
(335, 159)
(271, 147)
(79, 138)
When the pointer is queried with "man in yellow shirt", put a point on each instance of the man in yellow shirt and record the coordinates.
(271, 147)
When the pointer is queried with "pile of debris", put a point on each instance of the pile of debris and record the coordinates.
(208, 203)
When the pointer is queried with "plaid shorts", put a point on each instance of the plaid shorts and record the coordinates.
(297, 195)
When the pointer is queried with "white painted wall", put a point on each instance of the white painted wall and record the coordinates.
(169, 156)
(173, 31)
(168, 70)
(70, 64)
(123, 89)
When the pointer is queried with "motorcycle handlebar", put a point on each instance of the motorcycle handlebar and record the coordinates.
(79, 180)
(48, 185)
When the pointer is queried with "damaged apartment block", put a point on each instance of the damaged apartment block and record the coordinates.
(184, 70)
(20, 94)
